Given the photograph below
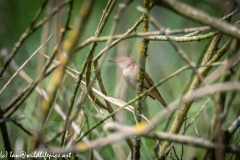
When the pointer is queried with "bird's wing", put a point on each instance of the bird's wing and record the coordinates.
(148, 83)
(147, 77)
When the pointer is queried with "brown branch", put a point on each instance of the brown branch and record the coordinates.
(18, 100)
(132, 29)
(5, 137)
(88, 56)
(140, 77)
(200, 16)
(124, 131)
(97, 66)
(68, 50)
(177, 124)
(28, 32)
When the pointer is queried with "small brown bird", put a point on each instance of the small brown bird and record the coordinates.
(130, 72)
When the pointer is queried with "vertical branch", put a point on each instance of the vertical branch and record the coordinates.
(22, 96)
(217, 121)
(88, 59)
(233, 49)
(29, 31)
(97, 66)
(59, 44)
(101, 25)
(208, 57)
(90, 54)
(68, 50)
(45, 32)
(140, 79)
(182, 113)
(5, 137)
(24, 36)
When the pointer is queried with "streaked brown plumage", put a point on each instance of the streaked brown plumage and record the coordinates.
(130, 72)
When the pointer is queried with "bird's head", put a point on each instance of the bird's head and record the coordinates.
(124, 62)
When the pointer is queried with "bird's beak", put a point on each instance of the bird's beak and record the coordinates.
(114, 61)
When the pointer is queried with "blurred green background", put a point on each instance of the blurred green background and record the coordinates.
(162, 60)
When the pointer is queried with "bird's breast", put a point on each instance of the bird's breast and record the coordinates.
(130, 77)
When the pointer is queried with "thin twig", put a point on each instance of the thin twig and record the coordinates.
(200, 16)
(123, 131)
(24, 64)
(140, 77)
(97, 65)
(133, 28)
(154, 36)
(68, 49)
(5, 137)
(42, 93)
(29, 31)
(177, 124)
